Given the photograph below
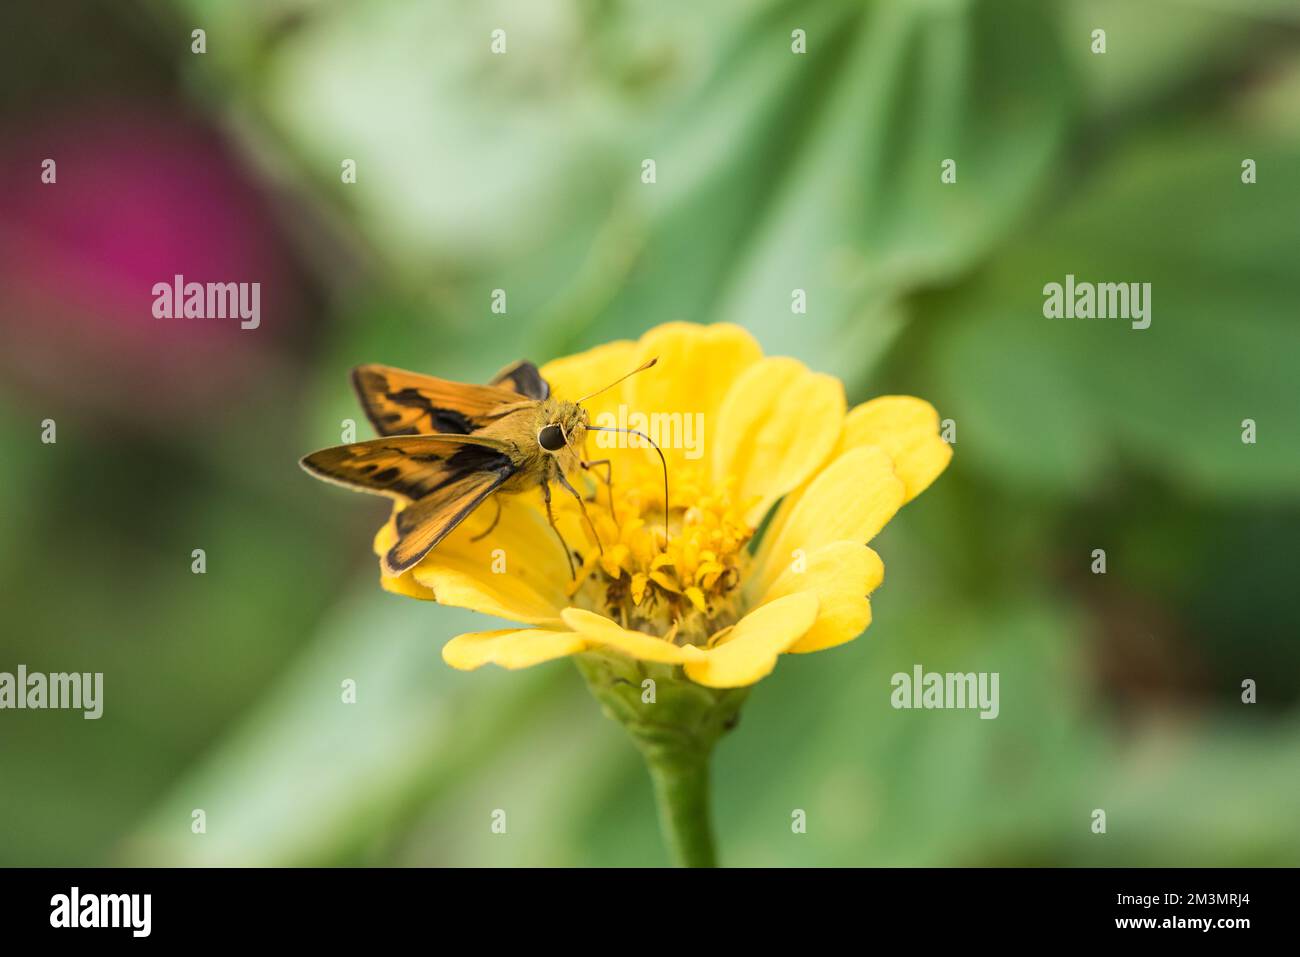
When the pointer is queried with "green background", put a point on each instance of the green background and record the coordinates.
(775, 171)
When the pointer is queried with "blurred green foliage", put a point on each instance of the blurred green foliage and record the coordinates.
(775, 172)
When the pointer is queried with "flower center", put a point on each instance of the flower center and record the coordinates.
(682, 589)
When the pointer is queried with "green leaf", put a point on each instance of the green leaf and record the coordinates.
(1057, 404)
(775, 170)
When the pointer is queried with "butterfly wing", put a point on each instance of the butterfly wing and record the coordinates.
(407, 403)
(408, 467)
(423, 524)
(523, 377)
(443, 477)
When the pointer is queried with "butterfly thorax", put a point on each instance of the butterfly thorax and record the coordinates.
(521, 429)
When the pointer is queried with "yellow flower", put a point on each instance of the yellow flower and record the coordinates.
(697, 594)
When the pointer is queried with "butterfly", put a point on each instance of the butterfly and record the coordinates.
(446, 447)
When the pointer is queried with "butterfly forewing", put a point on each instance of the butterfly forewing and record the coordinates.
(408, 466)
(407, 403)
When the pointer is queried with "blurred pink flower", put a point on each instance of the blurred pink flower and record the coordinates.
(139, 197)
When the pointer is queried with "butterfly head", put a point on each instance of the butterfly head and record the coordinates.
(563, 427)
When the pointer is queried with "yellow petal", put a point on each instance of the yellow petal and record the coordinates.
(386, 537)
(708, 572)
(518, 572)
(697, 365)
(841, 575)
(573, 377)
(521, 648)
(664, 582)
(908, 429)
(613, 558)
(600, 631)
(405, 583)
(776, 426)
(697, 599)
(750, 649)
(850, 500)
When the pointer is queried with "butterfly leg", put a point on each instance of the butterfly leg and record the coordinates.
(609, 482)
(546, 495)
(582, 505)
(488, 531)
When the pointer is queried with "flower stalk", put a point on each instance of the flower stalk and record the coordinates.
(675, 724)
(681, 784)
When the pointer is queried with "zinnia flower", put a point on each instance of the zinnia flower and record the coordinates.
(700, 597)
(672, 616)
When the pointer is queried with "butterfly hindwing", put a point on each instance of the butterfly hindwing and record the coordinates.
(423, 524)
(398, 402)
(523, 378)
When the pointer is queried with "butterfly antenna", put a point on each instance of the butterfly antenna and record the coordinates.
(640, 368)
(662, 461)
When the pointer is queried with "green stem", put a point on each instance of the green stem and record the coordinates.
(674, 723)
(681, 783)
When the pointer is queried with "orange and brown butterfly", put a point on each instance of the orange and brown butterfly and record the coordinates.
(447, 447)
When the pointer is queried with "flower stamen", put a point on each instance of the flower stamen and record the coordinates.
(673, 575)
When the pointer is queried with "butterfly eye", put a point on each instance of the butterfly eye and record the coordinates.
(551, 438)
